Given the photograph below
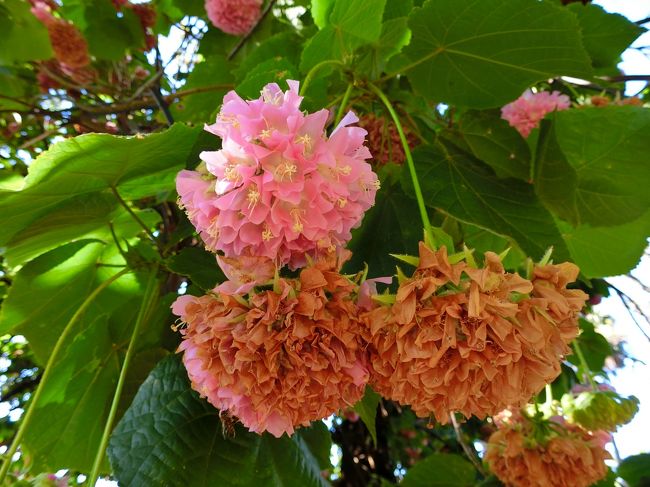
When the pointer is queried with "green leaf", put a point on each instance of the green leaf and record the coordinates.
(635, 470)
(594, 346)
(270, 71)
(590, 168)
(18, 24)
(607, 251)
(88, 164)
(320, 12)
(110, 36)
(283, 45)
(457, 184)
(199, 265)
(200, 108)
(82, 217)
(605, 35)
(441, 469)
(483, 241)
(47, 291)
(366, 408)
(352, 23)
(401, 229)
(319, 441)
(69, 418)
(494, 142)
(485, 54)
(169, 436)
(395, 34)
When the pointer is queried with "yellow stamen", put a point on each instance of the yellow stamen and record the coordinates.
(253, 197)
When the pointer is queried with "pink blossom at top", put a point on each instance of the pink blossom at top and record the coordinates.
(279, 187)
(525, 112)
(234, 17)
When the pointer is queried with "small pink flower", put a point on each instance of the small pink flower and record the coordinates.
(525, 112)
(234, 17)
(279, 187)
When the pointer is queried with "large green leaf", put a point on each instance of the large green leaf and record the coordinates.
(92, 163)
(441, 469)
(392, 226)
(169, 436)
(635, 470)
(199, 265)
(366, 408)
(352, 23)
(103, 22)
(47, 291)
(605, 35)
(607, 251)
(82, 217)
(69, 418)
(493, 141)
(269, 71)
(590, 166)
(485, 53)
(455, 183)
(594, 346)
(18, 24)
(200, 107)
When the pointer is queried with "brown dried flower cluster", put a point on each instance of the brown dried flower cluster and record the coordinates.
(471, 340)
(567, 456)
(69, 46)
(278, 358)
(383, 140)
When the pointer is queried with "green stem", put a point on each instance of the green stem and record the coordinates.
(149, 296)
(409, 160)
(312, 72)
(62, 340)
(549, 395)
(134, 216)
(583, 364)
(344, 104)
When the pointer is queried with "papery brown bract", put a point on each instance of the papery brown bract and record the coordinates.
(456, 340)
(567, 457)
(280, 358)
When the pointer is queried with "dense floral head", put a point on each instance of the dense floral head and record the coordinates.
(235, 17)
(279, 187)
(529, 109)
(69, 46)
(563, 456)
(459, 338)
(277, 358)
(384, 141)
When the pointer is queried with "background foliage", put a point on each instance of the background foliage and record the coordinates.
(80, 202)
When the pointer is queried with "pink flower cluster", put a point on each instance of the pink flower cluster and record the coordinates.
(529, 109)
(279, 187)
(235, 17)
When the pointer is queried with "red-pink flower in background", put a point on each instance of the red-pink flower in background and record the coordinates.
(529, 109)
(235, 17)
(279, 187)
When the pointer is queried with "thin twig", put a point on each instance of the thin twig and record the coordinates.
(162, 104)
(135, 217)
(626, 300)
(469, 452)
(243, 40)
(147, 84)
(150, 102)
(642, 21)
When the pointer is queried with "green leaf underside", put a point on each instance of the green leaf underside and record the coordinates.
(89, 164)
(588, 168)
(366, 408)
(441, 469)
(485, 53)
(455, 183)
(169, 436)
(489, 138)
(605, 35)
